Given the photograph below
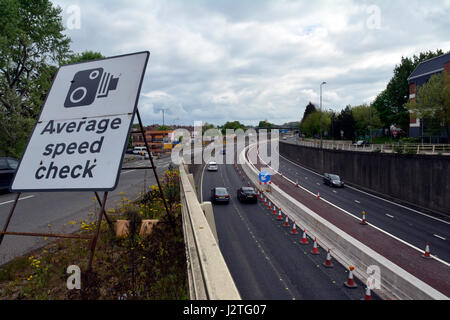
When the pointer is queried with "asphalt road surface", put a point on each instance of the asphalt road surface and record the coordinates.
(265, 260)
(52, 212)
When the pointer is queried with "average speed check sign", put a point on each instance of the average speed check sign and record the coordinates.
(82, 132)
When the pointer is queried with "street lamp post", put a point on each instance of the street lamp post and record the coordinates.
(321, 113)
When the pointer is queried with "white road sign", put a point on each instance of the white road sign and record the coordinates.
(82, 132)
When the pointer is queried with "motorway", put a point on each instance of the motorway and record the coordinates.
(409, 225)
(53, 212)
(265, 260)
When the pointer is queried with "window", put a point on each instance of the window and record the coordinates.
(3, 164)
(13, 164)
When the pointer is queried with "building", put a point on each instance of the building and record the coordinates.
(159, 141)
(419, 77)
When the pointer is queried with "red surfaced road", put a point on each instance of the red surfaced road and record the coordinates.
(430, 271)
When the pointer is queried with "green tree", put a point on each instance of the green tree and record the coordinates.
(84, 56)
(31, 46)
(310, 108)
(232, 125)
(265, 124)
(366, 118)
(432, 103)
(346, 123)
(310, 126)
(391, 102)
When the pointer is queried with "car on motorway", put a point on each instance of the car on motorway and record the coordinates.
(212, 166)
(333, 180)
(223, 151)
(247, 194)
(361, 143)
(8, 167)
(220, 194)
(139, 150)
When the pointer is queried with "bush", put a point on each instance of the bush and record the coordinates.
(410, 140)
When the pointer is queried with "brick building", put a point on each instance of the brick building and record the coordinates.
(156, 138)
(419, 77)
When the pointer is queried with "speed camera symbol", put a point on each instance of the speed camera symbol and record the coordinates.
(87, 85)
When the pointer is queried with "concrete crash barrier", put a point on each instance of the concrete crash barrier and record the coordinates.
(396, 283)
(208, 274)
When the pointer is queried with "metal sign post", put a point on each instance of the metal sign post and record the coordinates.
(80, 138)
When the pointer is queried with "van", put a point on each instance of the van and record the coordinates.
(139, 150)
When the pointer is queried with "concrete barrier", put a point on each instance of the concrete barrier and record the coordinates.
(396, 283)
(208, 274)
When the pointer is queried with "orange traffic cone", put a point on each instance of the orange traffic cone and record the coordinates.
(315, 250)
(363, 221)
(350, 283)
(318, 195)
(294, 228)
(280, 216)
(296, 183)
(265, 201)
(286, 222)
(249, 183)
(426, 255)
(270, 205)
(304, 238)
(274, 211)
(328, 263)
(367, 296)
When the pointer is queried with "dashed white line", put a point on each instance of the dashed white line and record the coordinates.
(438, 236)
(334, 191)
(24, 198)
(388, 215)
(357, 201)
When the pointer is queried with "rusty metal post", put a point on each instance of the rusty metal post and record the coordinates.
(111, 227)
(154, 169)
(9, 217)
(94, 240)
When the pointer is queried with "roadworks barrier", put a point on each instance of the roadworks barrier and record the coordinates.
(395, 282)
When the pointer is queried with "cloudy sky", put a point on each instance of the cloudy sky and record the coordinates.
(250, 60)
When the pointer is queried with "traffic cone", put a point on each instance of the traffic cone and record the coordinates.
(350, 283)
(328, 263)
(426, 255)
(315, 250)
(270, 205)
(367, 296)
(318, 195)
(363, 221)
(304, 238)
(296, 183)
(249, 183)
(286, 222)
(265, 201)
(294, 228)
(280, 216)
(274, 211)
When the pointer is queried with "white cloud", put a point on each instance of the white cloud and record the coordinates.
(249, 60)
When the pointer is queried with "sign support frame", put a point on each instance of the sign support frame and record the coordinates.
(102, 212)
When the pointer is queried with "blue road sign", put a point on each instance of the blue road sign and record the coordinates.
(264, 176)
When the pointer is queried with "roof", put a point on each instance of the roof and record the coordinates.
(430, 66)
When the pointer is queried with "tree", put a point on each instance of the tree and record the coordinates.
(31, 46)
(366, 118)
(84, 56)
(391, 102)
(432, 103)
(310, 108)
(265, 124)
(310, 126)
(346, 123)
(234, 125)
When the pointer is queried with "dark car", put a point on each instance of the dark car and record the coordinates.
(247, 194)
(220, 195)
(8, 168)
(333, 180)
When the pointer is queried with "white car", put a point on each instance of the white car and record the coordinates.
(212, 166)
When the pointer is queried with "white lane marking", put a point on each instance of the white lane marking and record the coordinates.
(318, 184)
(373, 226)
(123, 172)
(374, 196)
(24, 198)
(334, 191)
(357, 201)
(438, 236)
(388, 215)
